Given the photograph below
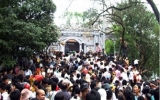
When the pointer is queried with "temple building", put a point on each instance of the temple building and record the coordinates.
(79, 41)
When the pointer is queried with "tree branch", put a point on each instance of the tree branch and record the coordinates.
(112, 7)
(154, 7)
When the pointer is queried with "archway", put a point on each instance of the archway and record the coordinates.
(71, 45)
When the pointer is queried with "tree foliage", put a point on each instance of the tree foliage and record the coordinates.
(83, 20)
(26, 26)
(141, 34)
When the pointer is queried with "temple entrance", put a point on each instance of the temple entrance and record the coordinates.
(71, 45)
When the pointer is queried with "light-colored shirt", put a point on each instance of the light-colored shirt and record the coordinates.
(29, 72)
(5, 96)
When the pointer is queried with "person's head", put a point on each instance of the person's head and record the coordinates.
(27, 67)
(140, 98)
(109, 94)
(136, 88)
(25, 94)
(6, 79)
(15, 95)
(156, 93)
(65, 84)
(8, 88)
(18, 86)
(97, 44)
(146, 89)
(40, 94)
(2, 87)
(54, 85)
(93, 95)
(84, 89)
(121, 96)
(128, 93)
(124, 82)
(36, 84)
(45, 82)
(59, 96)
(93, 84)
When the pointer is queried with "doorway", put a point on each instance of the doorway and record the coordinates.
(71, 45)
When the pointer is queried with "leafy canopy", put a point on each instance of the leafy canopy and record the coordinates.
(26, 26)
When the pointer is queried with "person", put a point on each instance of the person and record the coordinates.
(98, 48)
(137, 91)
(58, 97)
(40, 95)
(54, 85)
(84, 90)
(27, 72)
(93, 95)
(25, 94)
(62, 46)
(124, 46)
(3, 91)
(15, 95)
(64, 86)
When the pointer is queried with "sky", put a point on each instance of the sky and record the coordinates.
(82, 5)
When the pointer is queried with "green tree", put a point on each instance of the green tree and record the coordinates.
(25, 27)
(84, 19)
(109, 46)
(141, 34)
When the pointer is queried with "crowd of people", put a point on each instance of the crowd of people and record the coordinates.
(76, 76)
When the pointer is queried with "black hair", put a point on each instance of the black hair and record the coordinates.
(54, 85)
(18, 86)
(145, 90)
(156, 93)
(59, 96)
(3, 86)
(45, 81)
(55, 79)
(15, 95)
(109, 94)
(124, 82)
(78, 75)
(128, 94)
(104, 69)
(20, 77)
(75, 85)
(26, 80)
(36, 83)
(121, 97)
(60, 84)
(93, 95)
(93, 84)
(140, 98)
(63, 74)
(8, 88)
(5, 77)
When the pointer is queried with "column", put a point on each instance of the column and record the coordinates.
(84, 48)
(80, 47)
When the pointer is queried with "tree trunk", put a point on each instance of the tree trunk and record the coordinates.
(154, 7)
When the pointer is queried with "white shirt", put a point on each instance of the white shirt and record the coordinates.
(5, 96)
(61, 48)
(43, 74)
(124, 76)
(102, 93)
(139, 78)
(29, 72)
(58, 75)
(53, 95)
(107, 75)
(131, 75)
(136, 61)
(50, 70)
